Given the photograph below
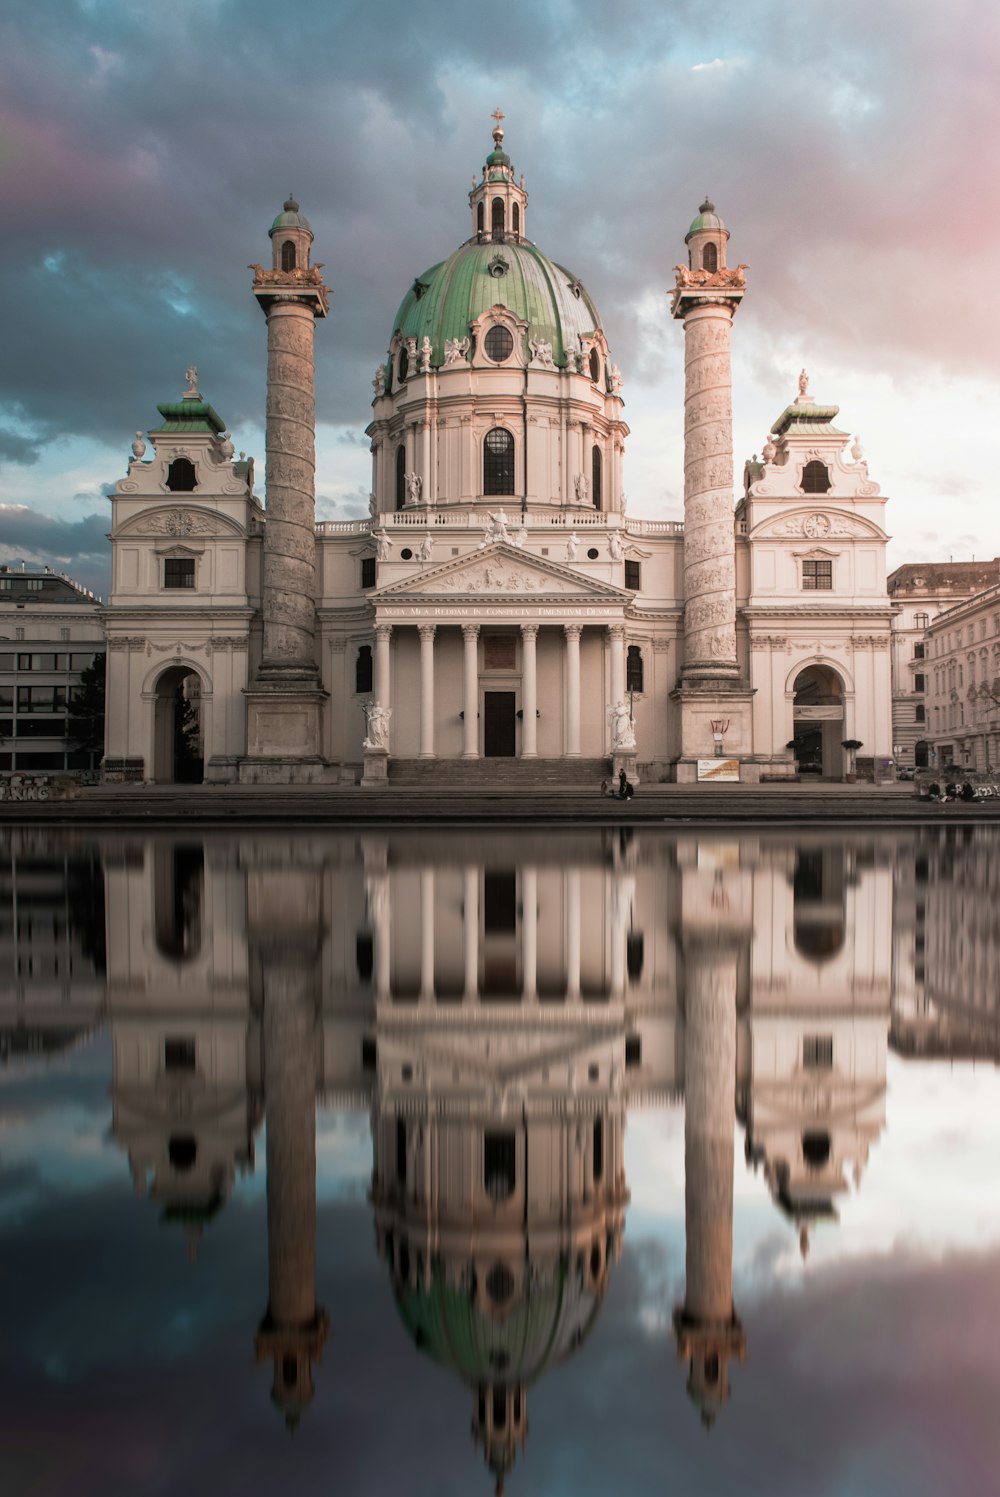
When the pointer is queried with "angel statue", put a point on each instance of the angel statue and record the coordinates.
(622, 727)
(378, 726)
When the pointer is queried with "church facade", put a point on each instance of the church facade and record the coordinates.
(499, 601)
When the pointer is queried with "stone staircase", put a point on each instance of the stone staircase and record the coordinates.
(498, 774)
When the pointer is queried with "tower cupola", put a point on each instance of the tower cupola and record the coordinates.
(498, 202)
(706, 240)
(291, 238)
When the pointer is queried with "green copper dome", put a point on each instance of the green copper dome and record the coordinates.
(445, 299)
(290, 217)
(541, 1330)
(707, 219)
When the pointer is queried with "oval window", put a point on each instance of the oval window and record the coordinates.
(406, 554)
(593, 553)
(498, 344)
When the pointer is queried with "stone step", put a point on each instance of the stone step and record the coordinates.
(486, 773)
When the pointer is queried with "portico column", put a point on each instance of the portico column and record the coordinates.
(616, 635)
(529, 928)
(471, 932)
(572, 735)
(529, 692)
(426, 934)
(572, 934)
(470, 633)
(383, 634)
(427, 690)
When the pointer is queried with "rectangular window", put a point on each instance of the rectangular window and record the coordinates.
(367, 571)
(919, 713)
(43, 663)
(633, 1051)
(24, 662)
(82, 662)
(918, 652)
(817, 1052)
(633, 575)
(817, 576)
(42, 726)
(918, 683)
(34, 584)
(5, 584)
(178, 571)
(922, 620)
(178, 1053)
(41, 698)
(499, 1170)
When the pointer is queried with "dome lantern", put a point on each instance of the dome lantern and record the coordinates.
(706, 240)
(498, 203)
(291, 238)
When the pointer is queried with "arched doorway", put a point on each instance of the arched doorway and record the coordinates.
(178, 749)
(818, 722)
(921, 758)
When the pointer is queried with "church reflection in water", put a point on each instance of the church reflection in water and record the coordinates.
(498, 1004)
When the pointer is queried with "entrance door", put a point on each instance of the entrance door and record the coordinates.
(499, 724)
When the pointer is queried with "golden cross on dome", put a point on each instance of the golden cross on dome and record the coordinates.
(498, 115)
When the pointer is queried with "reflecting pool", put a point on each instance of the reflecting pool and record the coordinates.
(459, 1162)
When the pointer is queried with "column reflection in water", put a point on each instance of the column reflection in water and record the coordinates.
(284, 902)
(714, 934)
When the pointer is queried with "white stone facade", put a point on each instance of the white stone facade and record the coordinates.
(962, 671)
(499, 601)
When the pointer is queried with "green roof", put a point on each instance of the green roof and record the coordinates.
(707, 219)
(809, 418)
(189, 415)
(462, 287)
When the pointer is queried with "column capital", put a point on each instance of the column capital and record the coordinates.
(427, 631)
(469, 631)
(573, 631)
(617, 633)
(529, 631)
(383, 631)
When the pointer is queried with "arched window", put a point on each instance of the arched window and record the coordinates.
(596, 473)
(710, 258)
(404, 363)
(595, 366)
(400, 476)
(498, 462)
(496, 217)
(181, 477)
(515, 218)
(815, 477)
(288, 255)
(480, 218)
(363, 669)
(633, 669)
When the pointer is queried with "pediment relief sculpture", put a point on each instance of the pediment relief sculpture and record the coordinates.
(180, 522)
(813, 524)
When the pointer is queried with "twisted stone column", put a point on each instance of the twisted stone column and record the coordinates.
(709, 550)
(289, 606)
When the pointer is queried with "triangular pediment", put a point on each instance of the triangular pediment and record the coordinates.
(502, 571)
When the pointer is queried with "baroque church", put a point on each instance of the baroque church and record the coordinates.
(499, 602)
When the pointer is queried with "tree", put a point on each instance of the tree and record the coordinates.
(85, 709)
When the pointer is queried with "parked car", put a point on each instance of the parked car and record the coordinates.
(906, 772)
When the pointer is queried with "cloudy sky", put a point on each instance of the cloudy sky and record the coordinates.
(851, 149)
